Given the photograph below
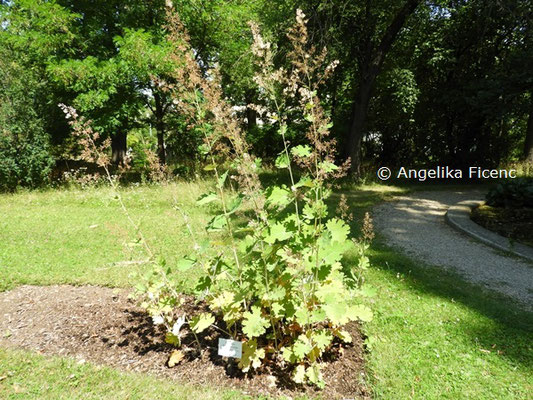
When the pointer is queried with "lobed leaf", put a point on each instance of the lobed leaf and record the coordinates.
(254, 324)
(201, 322)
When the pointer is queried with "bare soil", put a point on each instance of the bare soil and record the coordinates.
(513, 223)
(102, 326)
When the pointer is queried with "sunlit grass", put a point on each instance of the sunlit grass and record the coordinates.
(25, 375)
(82, 236)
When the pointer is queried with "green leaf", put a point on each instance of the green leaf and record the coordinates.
(278, 232)
(172, 339)
(304, 182)
(278, 310)
(302, 315)
(299, 374)
(315, 376)
(223, 300)
(235, 204)
(282, 161)
(322, 339)
(254, 324)
(337, 312)
(222, 179)
(251, 356)
(185, 263)
(302, 347)
(201, 322)
(338, 229)
(247, 244)
(327, 166)
(301, 151)
(279, 196)
(206, 198)
(344, 336)
(217, 223)
(331, 252)
(288, 355)
(316, 209)
(362, 313)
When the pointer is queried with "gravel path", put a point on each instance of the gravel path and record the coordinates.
(415, 224)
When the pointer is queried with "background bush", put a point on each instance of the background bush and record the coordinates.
(512, 193)
(25, 158)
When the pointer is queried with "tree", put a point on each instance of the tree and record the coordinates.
(104, 85)
(221, 38)
(25, 158)
(369, 68)
(31, 32)
(359, 35)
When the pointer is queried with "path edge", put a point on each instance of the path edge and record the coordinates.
(458, 217)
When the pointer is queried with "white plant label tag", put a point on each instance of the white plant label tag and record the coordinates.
(229, 348)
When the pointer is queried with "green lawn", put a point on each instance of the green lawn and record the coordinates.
(72, 236)
(29, 376)
(433, 336)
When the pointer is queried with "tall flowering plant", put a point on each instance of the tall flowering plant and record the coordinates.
(277, 283)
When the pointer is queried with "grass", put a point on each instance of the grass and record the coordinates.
(82, 236)
(24, 375)
(433, 335)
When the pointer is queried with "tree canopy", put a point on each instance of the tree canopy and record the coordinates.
(418, 82)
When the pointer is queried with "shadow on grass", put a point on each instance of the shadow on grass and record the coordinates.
(511, 334)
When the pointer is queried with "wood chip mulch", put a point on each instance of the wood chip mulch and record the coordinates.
(102, 326)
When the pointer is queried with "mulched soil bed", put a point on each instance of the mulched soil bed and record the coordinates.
(513, 223)
(101, 326)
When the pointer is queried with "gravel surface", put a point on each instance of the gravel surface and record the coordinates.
(415, 224)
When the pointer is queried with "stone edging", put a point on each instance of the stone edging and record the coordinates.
(458, 216)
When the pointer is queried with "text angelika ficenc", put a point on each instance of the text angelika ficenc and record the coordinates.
(446, 172)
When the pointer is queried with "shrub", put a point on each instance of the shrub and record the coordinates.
(25, 159)
(512, 193)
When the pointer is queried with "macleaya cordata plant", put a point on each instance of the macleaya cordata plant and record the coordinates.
(272, 276)
(162, 294)
(96, 151)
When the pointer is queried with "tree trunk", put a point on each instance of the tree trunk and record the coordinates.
(251, 114)
(161, 151)
(528, 147)
(119, 147)
(359, 113)
(160, 127)
(251, 118)
(370, 69)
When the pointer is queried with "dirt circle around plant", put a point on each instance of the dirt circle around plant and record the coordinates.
(102, 326)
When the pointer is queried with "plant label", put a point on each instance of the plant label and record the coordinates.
(229, 348)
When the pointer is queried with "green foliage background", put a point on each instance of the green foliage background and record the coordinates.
(454, 88)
